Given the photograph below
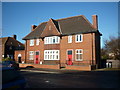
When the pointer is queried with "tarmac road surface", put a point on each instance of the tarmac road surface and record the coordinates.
(71, 79)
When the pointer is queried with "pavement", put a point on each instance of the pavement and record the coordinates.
(42, 70)
(63, 70)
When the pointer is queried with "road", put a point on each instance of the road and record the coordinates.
(80, 79)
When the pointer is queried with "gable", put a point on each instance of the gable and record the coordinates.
(50, 29)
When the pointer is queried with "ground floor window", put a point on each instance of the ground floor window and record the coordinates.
(51, 54)
(31, 55)
(79, 54)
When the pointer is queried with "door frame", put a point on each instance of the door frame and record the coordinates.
(38, 57)
(67, 54)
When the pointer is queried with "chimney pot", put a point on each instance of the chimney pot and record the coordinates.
(95, 21)
(15, 37)
(33, 27)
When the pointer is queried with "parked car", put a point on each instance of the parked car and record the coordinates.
(11, 64)
(12, 79)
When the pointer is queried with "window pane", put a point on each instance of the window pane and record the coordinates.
(53, 40)
(77, 37)
(37, 53)
(80, 56)
(56, 56)
(70, 52)
(56, 39)
(77, 56)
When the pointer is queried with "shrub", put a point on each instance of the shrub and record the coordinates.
(7, 59)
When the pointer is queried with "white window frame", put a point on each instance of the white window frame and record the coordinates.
(31, 42)
(49, 40)
(31, 55)
(79, 54)
(78, 36)
(70, 39)
(51, 55)
(37, 41)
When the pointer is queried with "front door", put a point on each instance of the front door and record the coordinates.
(19, 59)
(37, 57)
(69, 56)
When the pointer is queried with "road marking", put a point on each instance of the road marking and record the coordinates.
(40, 71)
(47, 81)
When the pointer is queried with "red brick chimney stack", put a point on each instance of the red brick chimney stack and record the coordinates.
(95, 21)
(33, 27)
(15, 37)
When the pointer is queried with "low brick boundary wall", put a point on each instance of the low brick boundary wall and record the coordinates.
(41, 66)
(82, 68)
(57, 66)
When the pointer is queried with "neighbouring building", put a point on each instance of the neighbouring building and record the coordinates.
(8, 45)
(112, 63)
(72, 43)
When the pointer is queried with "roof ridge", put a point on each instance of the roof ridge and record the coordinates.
(68, 17)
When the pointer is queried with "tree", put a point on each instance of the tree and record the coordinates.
(111, 50)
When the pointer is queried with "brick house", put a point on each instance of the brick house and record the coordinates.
(72, 43)
(8, 45)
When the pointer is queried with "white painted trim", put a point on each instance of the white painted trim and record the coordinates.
(48, 39)
(19, 55)
(70, 39)
(37, 41)
(72, 54)
(31, 54)
(82, 55)
(79, 36)
(52, 54)
(32, 44)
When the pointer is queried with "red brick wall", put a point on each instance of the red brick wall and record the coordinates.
(41, 66)
(17, 52)
(86, 45)
(39, 47)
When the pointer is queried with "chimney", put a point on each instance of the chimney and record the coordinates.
(33, 27)
(15, 37)
(95, 21)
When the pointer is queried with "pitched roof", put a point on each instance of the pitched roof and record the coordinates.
(14, 41)
(37, 32)
(3, 40)
(66, 26)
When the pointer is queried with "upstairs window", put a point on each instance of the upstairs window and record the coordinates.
(69, 39)
(79, 38)
(52, 40)
(32, 42)
(37, 41)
